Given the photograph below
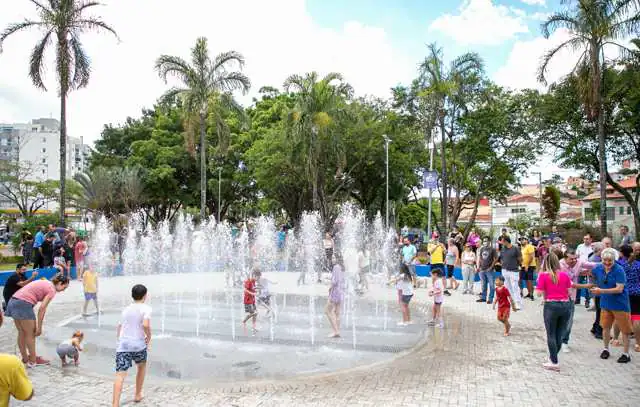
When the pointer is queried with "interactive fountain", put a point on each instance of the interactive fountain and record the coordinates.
(195, 277)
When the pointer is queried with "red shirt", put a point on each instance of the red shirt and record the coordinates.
(250, 285)
(502, 294)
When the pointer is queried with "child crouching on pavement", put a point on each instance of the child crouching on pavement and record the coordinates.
(71, 348)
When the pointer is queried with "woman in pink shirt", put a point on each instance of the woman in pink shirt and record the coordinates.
(20, 308)
(554, 286)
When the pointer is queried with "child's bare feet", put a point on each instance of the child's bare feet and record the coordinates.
(507, 334)
(138, 398)
(334, 335)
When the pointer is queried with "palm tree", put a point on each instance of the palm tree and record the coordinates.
(443, 87)
(62, 22)
(318, 103)
(203, 80)
(593, 25)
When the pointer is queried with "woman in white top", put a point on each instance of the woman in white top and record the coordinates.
(468, 268)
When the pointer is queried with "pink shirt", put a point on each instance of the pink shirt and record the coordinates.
(574, 272)
(36, 291)
(554, 292)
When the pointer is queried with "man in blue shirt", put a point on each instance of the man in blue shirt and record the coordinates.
(409, 253)
(610, 284)
(39, 239)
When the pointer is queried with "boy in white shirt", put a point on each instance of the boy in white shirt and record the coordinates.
(134, 334)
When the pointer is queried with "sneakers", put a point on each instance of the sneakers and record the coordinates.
(431, 322)
(480, 300)
(446, 292)
(402, 323)
(624, 358)
(441, 325)
(551, 366)
(605, 354)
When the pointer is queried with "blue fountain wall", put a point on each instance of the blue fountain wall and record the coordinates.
(49, 272)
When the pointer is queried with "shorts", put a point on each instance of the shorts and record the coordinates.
(66, 350)
(406, 298)
(527, 275)
(450, 268)
(250, 308)
(124, 360)
(621, 318)
(437, 303)
(504, 313)
(265, 300)
(20, 310)
(90, 296)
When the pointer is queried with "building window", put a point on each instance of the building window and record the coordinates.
(44, 150)
(44, 161)
(628, 210)
(44, 139)
(43, 172)
(518, 210)
(611, 214)
(621, 210)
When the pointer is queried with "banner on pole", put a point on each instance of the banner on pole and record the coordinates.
(430, 179)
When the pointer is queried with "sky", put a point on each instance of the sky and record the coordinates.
(375, 44)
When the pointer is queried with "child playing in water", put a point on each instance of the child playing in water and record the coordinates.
(404, 283)
(437, 292)
(90, 287)
(505, 303)
(134, 334)
(250, 301)
(70, 348)
(263, 288)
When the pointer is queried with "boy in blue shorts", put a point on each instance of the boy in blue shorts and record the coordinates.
(134, 334)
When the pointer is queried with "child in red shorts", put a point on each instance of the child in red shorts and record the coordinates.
(505, 303)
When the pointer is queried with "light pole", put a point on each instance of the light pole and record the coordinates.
(539, 173)
(219, 190)
(386, 152)
(432, 147)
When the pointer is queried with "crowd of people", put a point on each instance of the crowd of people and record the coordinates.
(538, 265)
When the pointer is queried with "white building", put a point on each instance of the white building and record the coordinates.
(38, 145)
(570, 209)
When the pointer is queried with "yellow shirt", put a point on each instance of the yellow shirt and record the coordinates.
(528, 256)
(90, 282)
(13, 380)
(437, 255)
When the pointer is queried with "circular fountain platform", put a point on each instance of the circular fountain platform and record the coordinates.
(198, 334)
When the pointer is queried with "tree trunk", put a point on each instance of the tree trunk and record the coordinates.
(203, 170)
(63, 152)
(445, 203)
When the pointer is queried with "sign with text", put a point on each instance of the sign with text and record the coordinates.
(430, 179)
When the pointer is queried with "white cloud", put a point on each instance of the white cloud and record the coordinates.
(481, 22)
(521, 67)
(542, 3)
(277, 38)
(540, 16)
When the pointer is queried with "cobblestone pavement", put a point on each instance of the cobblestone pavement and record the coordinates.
(468, 363)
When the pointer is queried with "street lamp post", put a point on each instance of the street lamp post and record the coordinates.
(386, 152)
(432, 147)
(219, 190)
(539, 173)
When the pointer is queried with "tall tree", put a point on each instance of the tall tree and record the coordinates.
(62, 22)
(318, 104)
(551, 204)
(593, 25)
(201, 80)
(444, 87)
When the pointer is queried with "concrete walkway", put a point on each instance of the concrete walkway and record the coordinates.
(468, 363)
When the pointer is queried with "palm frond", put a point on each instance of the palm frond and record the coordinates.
(168, 65)
(467, 63)
(224, 58)
(15, 27)
(573, 43)
(94, 24)
(560, 20)
(36, 65)
(231, 81)
(81, 64)
(200, 57)
(41, 7)
(294, 83)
